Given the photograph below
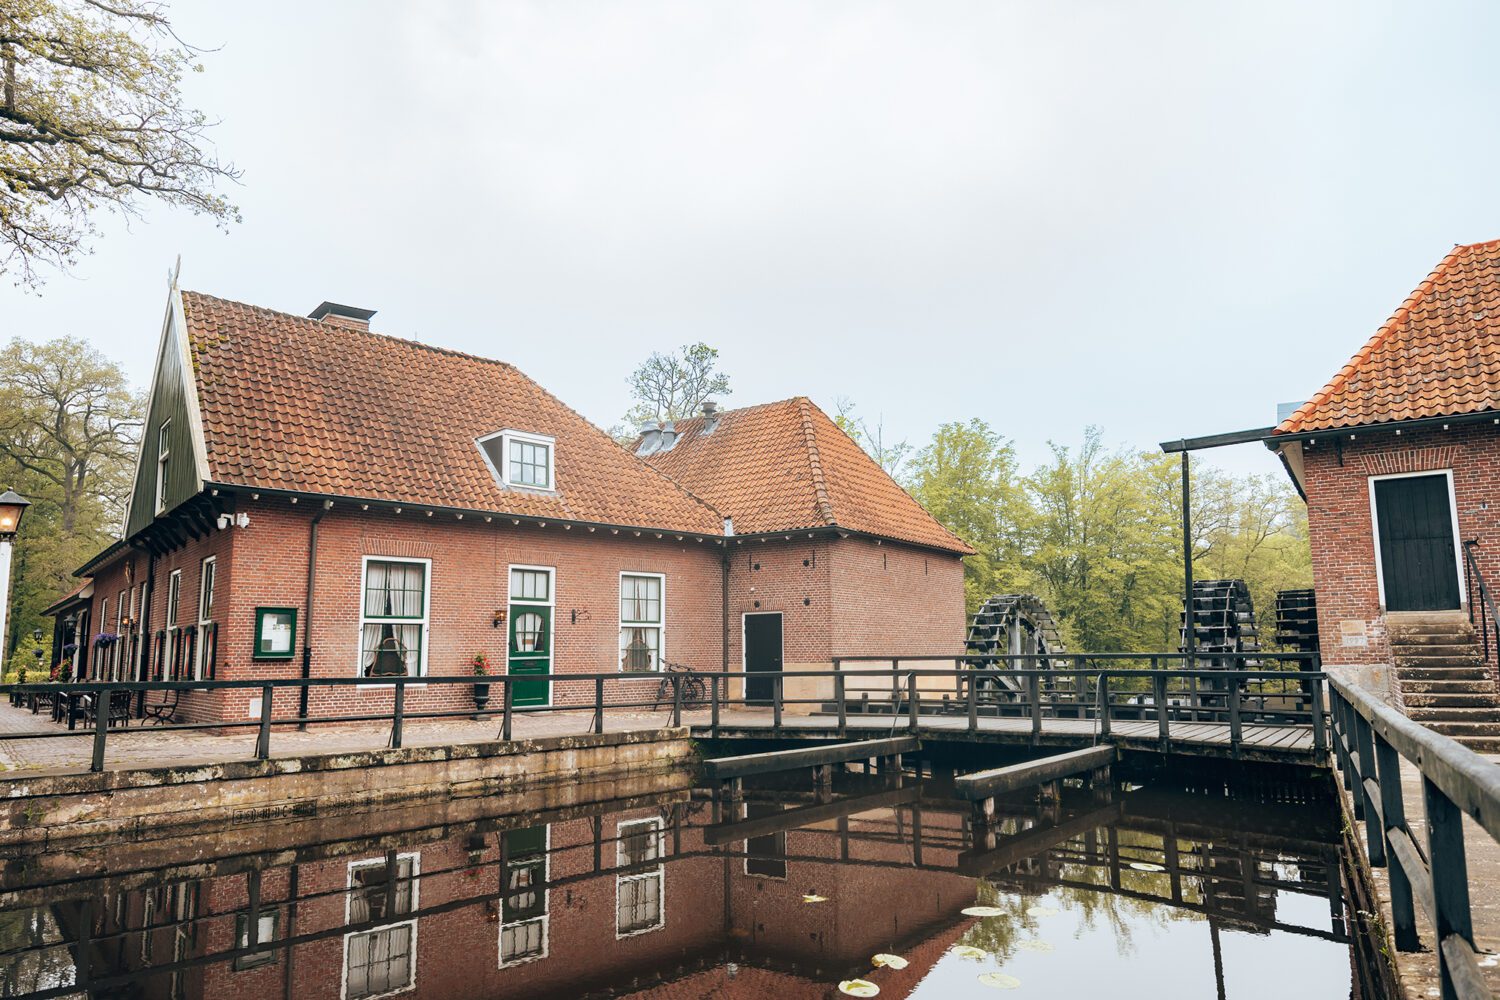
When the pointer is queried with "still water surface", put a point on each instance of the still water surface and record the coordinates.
(1151, 892)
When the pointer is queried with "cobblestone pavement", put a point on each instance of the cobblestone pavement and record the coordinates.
(136, 747)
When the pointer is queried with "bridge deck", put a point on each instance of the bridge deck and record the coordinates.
(1257, 742)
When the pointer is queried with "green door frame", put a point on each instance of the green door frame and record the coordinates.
(531, 693)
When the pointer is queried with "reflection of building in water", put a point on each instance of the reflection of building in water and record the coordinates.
(674, 892)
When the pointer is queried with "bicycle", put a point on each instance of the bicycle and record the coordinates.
(694, 687)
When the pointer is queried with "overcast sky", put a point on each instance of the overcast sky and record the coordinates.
(1162, 218)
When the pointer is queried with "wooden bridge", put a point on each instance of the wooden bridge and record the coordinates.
(1266, 715)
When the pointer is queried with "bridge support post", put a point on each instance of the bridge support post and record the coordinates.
(823, 782)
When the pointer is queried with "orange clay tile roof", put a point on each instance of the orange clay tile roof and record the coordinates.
(785, 466)
(297, 404)
(1438, 356)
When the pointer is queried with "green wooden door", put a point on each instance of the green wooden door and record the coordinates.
(530, 652)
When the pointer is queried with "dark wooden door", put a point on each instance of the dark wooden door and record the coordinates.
(762, 655)
(1418, 564)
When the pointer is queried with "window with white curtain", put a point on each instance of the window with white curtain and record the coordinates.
(393, 618)
(202, 649)
(381, 960)
(638, 893)
(641, 610)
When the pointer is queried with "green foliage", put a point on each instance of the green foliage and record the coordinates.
(68, 422)
(92, 117)
(966, 477)
(23, 657)
(1097, 533)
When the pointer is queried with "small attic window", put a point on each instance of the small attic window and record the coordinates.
(520, 459)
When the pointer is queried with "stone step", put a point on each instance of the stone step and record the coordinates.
(1457, 729)
(1442, 672)
(1447, 687)
(1414, 700)
(1405, 638)
(1480, 744)
(1449, 651)
(1427, 715)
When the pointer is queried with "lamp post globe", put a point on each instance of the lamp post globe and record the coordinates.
(12, 506)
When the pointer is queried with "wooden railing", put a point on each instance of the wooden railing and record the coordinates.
(1172, 699)
(1371, 740)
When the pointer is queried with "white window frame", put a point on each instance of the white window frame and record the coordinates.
(171, 624)
(122, 615)
(661, 642)
(545, 918)
(94, 649)
(503, 472)
(142, 640)
(1458, 552)
(199, 645)
(424, 621)
(416, 883)
(658, 873)
(174, 600)
(163, 453)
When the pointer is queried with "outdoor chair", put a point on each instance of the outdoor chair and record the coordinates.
(161, 713)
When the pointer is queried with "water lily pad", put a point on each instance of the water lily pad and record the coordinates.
(982, 911)
(1041, 911)
(1146, 866)
(1034, 944)
(859, 988)
(970, 952)
(889, 961)
(1000, 981)
(813, 897)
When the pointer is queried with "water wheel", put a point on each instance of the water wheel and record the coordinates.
(1297, 620)
(1223, 623)
(1014, 625)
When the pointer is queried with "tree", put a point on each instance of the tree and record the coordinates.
(92, 117)
(674, 386)
(68, 427)
(892, 456)
(1101, 547)
(966, 478)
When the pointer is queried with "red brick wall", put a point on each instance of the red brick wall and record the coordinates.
(890, 598)
(789, 577)
(837, 597)
(1342, 533)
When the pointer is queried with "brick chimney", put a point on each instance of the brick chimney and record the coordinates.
(337, 314)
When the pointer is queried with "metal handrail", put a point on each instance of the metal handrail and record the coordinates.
(1489, 617)
(1370, 741)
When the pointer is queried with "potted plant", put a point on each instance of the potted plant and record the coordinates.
(480, 664)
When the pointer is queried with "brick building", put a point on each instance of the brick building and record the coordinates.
(314, 499)
(1397, 458)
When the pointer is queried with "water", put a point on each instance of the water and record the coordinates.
(1158, 892)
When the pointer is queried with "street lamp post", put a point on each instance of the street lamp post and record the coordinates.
(12, 506)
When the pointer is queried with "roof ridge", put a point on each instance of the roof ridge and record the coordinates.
(1386, 331)
(355, 331)
(815, 461)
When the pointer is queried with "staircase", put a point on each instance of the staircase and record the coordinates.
(1442, 677)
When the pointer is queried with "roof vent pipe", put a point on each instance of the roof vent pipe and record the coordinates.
(668, 436)
(650, 439)
(710, 416)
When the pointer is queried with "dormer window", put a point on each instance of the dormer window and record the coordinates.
(519, 459)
